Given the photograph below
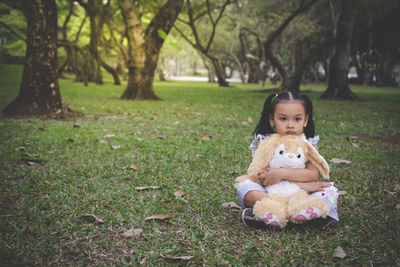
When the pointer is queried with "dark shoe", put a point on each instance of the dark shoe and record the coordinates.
(250, 220)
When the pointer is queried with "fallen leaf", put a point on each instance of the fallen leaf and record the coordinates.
(179, 193)
(249, 119)
(397, 188)
(355, 145)
(184, 258)
(341, 123)
(109, 136)
(340, 193)
(245, 122)
(31, 163)
(335, 160)
(390, 193)
(339, 253)
(141, 188)
(161, 136)
(206, 137)
(397, 206)
(133, 167)
(143, 261)
(21, 148)
(132, 232)
(92, 218)
(77, 125)
(231, 205)
(115, 146)
(352, 137)
(160, 217)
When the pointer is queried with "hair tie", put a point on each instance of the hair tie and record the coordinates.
(275, 96)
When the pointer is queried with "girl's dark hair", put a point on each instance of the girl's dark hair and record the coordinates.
(263, 126)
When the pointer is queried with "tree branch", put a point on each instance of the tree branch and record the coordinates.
(216, 22)
(10, 29)
(273, 35)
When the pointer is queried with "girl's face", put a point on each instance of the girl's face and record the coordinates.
(289, 117)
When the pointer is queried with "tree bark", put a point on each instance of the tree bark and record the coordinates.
(144, 47)
(338, 85)
(39, 92)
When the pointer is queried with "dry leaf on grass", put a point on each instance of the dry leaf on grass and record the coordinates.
(186, 258)
(141, 188)
(109, 136)
(231, 205)
(133, 167)
(390, 193)
(132, 232)
(339, 253)
(355, 145)
(179, 193)
(31, 163)
(159, 217)
(92, 218)
(206, 137)
(340, 193)
(352, 138)
(115, 146)
(77, 125)
(335, 160)
(397, 188)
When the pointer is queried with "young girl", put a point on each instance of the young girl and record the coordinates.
(286, 114)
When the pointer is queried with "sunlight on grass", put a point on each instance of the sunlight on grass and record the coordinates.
(196, 139)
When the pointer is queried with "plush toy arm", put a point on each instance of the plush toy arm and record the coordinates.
(263, 155)
(261, 159)
(316, 159)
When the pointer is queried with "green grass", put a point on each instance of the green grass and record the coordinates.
(195, 140)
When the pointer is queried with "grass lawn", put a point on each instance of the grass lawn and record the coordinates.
(70, 189)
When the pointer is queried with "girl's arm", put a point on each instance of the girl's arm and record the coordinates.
(270, 176)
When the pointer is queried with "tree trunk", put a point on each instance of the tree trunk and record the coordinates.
(274, 35)
(144, 47)
(111, 70)
(338, 85)
(251, 61)
(39, 92)
(219, 71)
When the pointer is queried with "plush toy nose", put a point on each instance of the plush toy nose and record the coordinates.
(290, 156)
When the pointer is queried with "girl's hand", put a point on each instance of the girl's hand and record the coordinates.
(314, 186)
(269, 176)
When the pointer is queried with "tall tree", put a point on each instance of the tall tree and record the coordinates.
(195, 14)
(269, 55)
(144, 46)
(39, 92)
(338, 84)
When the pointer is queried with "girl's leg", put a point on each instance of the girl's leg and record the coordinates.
(252, 197)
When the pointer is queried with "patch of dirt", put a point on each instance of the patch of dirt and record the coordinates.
(386, 137)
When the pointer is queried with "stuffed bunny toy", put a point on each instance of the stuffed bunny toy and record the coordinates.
(286, 200)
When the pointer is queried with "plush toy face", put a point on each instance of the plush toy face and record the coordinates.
(287, 159)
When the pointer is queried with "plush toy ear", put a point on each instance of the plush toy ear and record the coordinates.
(316, 159)
(264, 154)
